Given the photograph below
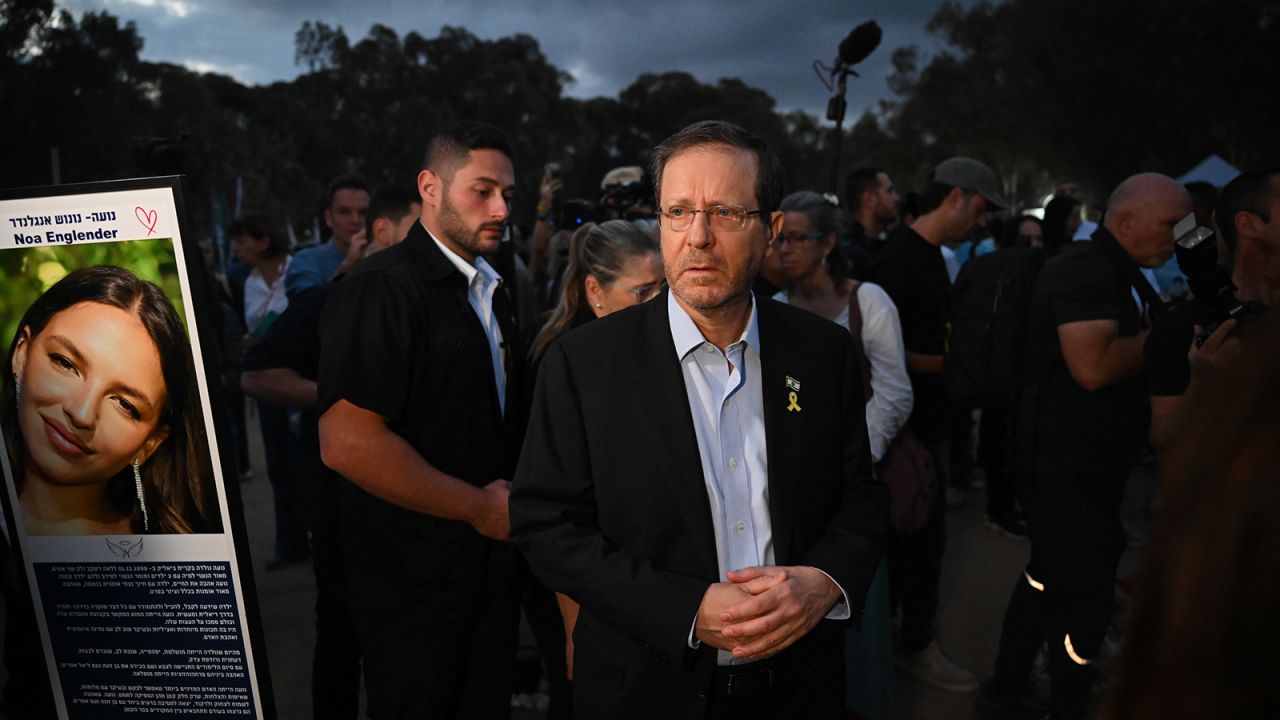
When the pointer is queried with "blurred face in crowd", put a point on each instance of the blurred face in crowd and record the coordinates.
(345, 215)
(1031, 233)
(641, 280)
(967, 212)
(1073, 222)
(468, 211)
(1145, 226)
(802, 251)
(886, 200)
(708, 265)
(387, 232)
(248, 249)
(92, 394)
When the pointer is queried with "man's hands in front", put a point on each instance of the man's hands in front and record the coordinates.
(763, 610)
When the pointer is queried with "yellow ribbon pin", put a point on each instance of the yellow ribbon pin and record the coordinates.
(793, 406)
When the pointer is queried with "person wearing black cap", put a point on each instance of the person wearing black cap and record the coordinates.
(912, 271)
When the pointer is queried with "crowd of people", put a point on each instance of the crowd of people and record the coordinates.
(704, 432)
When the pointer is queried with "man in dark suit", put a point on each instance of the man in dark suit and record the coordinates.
(413, 394)
(696, 472)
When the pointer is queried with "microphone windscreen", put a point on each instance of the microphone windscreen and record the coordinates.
(860, 43)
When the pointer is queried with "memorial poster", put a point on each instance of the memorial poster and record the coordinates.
(114, 494)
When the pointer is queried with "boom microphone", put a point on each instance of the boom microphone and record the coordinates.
(860, 43)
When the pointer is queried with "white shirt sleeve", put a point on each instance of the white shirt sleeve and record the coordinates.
(256, 296)
(891, 402)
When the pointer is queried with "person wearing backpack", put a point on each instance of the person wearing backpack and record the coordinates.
(986, 329)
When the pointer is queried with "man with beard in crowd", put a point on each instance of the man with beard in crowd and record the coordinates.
(415, 376)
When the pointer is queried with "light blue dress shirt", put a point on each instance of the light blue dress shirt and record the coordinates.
(726, 399)
(727, 403)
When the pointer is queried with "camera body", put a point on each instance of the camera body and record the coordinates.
(1196, 248)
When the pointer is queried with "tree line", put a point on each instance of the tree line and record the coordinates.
(1042, 90)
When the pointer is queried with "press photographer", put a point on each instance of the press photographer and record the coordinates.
(1207, 332)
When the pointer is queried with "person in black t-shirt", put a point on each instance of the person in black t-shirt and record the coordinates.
(1248, 220)
(1081, 419)
(911, 269)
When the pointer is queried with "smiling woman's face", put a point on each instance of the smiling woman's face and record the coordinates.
(91, 395)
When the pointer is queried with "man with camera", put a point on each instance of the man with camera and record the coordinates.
(1204, 333)
(1081, 419)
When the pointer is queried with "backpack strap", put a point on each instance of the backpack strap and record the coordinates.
(855, 329)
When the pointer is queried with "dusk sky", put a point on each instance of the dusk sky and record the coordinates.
(604, 44)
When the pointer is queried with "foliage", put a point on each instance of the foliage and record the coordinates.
(1042, 90)
(26, 273)
(1093, 90)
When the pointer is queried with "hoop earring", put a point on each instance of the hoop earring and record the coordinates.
(142, 501)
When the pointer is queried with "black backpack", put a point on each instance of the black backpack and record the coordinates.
(986, 328)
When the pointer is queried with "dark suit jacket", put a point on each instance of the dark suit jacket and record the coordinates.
(610, 506)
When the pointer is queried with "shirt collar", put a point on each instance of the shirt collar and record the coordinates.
(686, 335)
(469, 271)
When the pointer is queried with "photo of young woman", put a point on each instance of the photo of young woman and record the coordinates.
(101, 412)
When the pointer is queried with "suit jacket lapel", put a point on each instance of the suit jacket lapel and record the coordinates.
(663, 407)
(784, 429)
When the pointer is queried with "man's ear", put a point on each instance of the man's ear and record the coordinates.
(430, 188)
(20, 350)
(774, 226)
(1247, 224)
(1121, 220)
(381, 228)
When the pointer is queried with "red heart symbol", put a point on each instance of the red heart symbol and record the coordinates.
(148, 218)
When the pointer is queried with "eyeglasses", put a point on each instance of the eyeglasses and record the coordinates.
(720, 217)
(648, 292)
(796, 239)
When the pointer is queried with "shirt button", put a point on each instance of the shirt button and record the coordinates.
(733, 463)
(740, 526)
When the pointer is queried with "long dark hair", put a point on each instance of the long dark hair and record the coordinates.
(178, 477)
(1054, 228)
(601, 251)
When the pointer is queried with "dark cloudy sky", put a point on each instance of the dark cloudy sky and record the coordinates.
(604, 44)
